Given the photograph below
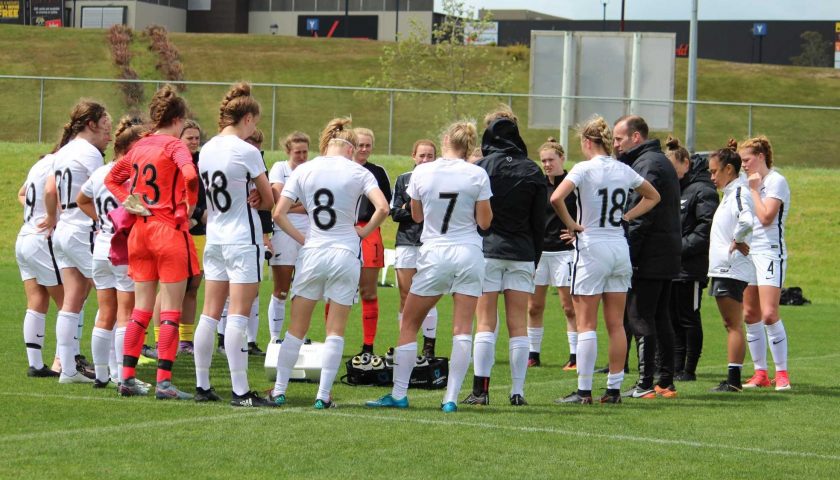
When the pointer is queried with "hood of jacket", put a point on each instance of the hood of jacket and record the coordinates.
(630, 156)
(697, 172)
(502, 136)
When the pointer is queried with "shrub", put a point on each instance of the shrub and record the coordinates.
(119, 39)
(169, 59)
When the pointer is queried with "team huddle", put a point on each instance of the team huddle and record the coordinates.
(631, 227)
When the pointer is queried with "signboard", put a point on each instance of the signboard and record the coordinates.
(482, 36)
(837, 45)
(312, 25)
(360, 26)
(759, 29)
(45, 12)
(9, 11)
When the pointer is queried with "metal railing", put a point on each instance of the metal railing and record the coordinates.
(384, 109)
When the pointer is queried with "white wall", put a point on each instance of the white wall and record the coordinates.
(139, 15)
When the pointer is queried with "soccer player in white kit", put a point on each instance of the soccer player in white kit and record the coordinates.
(771, 200)
(84, 139)
(230, 169)
(602, 268)
(114, 288)
(451, 197)
(285, 248)
(36, 260)
(329, 263)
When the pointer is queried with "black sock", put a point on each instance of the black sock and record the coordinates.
(221, 340)
(533, 355)
(573, 358)
(481, 385)
(613, 392)
(584, 393)
(367, 348)
(429, 346)
(734, 376)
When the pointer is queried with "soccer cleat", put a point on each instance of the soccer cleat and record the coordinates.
(132, 388)
(166, 391)
(43, 372)
(724, 386)
(758, 380)
(685, 377)
(639, 392)
(782, 381)
(449, 407)
(105, 384)
(570, 367)
(254, 350)
(278, 400)
(666, 392)
(517, 400)
(250, 399)
(275, 340)
(324, 404)
(208, 395)
(610, 398)
(602, 370)
(81, 361)
(79, 377)
(185, 348)
(149, 352)
(480, 399)
(387, 401)
(533, 359)
(574, 397)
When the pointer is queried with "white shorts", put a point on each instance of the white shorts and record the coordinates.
(449, 269)
(285, 248)
(233, 263)
(74, 249)
(769, 270)
(502, 275)
(602, 267)
(36, 260)
(327, 273)
(106, 275)
(407, 257)
(555, 269)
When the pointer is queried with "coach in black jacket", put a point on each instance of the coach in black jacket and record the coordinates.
(512, 248)
(655, 251)
(698, 202)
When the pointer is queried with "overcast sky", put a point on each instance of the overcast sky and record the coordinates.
(828, 10)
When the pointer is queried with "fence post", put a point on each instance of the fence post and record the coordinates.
(41, 113)
(390, 121)
(749, 122)
(510, 101)
(273, 113)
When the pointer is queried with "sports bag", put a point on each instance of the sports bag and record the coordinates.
(373, 370)
(793, 296)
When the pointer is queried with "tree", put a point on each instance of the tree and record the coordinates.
(447, 64)
(816, 51)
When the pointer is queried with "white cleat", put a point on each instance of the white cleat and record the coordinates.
(79, 377)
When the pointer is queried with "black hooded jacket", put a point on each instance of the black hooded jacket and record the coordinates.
(408, 231)
(655, 238)
(698, 202)
(519, 193)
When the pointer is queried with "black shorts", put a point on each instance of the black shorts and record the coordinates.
(727, 287)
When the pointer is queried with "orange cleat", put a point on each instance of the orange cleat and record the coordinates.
(782, 381)
(667, 392)
(759, 380)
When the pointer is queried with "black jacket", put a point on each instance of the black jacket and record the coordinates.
(366, 208)
(655, 238)
(699, 200)
(200, 228)
(408, 231)
(518, 201)
(553, 224)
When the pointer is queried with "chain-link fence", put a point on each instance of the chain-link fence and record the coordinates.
(35, 108)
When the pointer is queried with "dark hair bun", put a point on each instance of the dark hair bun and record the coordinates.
(732, 144)
(672, 143)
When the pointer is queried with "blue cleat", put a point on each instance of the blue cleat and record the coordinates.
(449, 407)
(388, 401)
(324, 404)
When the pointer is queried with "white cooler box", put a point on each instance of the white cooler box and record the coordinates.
(307, 367)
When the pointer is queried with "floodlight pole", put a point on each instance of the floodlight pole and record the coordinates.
(346, 18)
(397, 30)
(604, 23)
(622, 16)
(690, 114)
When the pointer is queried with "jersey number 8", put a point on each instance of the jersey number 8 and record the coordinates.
(216, 187)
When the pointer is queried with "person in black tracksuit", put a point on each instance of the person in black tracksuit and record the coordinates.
(512, 248)
(655, 252)
(698, 202)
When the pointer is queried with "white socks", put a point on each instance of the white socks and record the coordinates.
(286, 359)
(236, 348)
(203, 341)
(330, 362)
(119, 345)
(614, 380)
(518, 348)
(535, 337)
(758, 345)
(778, 344)
(34, 324)
(80, 327)
(276, 316)
(220, 328)
(254, 320)
(458, 365)
(484, 353)
(429, 323)
(100, 344)
(573, 339)
(405, 357)
(66, 326)
(587, 348)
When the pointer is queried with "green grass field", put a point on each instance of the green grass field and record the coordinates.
(72, 431)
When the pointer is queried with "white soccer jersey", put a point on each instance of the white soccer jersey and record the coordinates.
(34, 209)
(227, 166)
(104, 201)
(279, 174)
(448, 189)
(330, 189)
(602, 185)
(73, 165)
(733, 221)
(770, 239)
